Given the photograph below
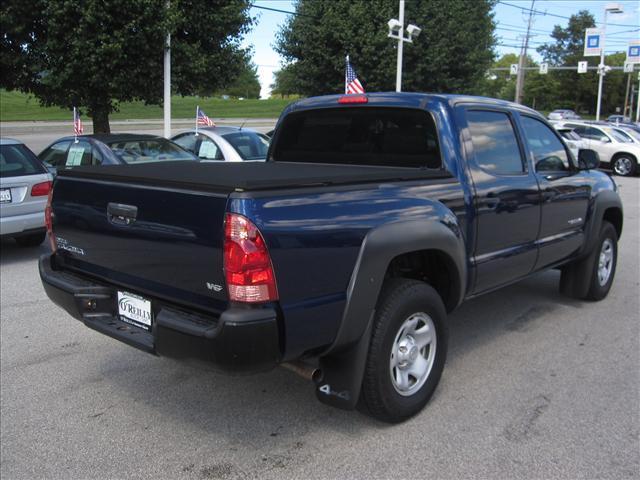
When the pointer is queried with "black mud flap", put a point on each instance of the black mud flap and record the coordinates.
(342, 374)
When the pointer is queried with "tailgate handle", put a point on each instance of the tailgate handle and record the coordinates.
(121, 214)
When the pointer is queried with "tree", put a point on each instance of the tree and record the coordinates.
(246, 85)
(96, 53)
(452, 53)
(285, 82)
(574, 90)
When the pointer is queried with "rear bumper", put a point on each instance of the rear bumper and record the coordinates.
(17, 224)
(241, 340)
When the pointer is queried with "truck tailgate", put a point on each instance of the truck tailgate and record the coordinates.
(160, 241)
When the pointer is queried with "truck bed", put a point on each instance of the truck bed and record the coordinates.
(228, 177)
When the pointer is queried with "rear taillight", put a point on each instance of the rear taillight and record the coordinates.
(48, 221)
(247, 264)
(41, 189)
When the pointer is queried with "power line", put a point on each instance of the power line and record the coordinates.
(539, 12)
(260, 7)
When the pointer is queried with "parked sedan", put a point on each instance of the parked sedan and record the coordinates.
(230, 144)
(616, 150)
(563, 114)
(111, 149)
(24, 188)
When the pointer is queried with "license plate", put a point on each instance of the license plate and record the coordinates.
(5, 195)
(134, 309)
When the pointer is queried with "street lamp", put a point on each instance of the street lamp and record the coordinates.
(395, 31)
(602, 69)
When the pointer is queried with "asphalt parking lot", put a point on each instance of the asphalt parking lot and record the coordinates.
(536, 386)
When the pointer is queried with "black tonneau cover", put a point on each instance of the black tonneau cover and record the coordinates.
(230, 176)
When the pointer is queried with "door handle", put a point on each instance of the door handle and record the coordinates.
(121, 214)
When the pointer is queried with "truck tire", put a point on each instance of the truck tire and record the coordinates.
(407, 351)
(591, 278)
(31, 240)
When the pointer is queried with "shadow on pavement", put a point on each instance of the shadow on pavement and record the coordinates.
(11, 252)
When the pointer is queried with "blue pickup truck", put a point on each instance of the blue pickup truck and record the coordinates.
(340, 257)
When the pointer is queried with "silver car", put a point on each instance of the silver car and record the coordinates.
(230, 144)
(24, 188)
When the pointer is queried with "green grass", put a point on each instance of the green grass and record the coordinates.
(16, 106)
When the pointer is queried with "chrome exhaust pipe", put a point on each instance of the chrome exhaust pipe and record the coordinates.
(308, 372)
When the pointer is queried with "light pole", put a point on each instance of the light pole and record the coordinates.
(396, 30)
(167, 83)
(612, 8)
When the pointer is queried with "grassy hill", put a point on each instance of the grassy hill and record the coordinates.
(17, 106)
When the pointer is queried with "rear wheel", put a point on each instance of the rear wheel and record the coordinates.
(31, 240)
(407, 352)
(624, 165)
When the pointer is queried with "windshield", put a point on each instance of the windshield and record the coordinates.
(17, 160)
(632, 133)
(618, 135)
(249, 145)
(149, 150)
(625, 134)
(569, 135)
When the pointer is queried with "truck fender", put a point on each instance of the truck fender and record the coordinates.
(343, 363)
(602, 202)
(576, 277)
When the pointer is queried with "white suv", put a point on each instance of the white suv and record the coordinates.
(617, 151)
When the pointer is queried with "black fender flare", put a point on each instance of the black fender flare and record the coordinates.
(343, 363)
(602, 202)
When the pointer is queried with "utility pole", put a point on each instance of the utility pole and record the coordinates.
(167, 82)
(523, 56)
(626, 98)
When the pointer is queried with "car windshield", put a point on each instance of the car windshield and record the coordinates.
(249, 145)
(149, 150)
(632, 133)
(569, 134)
(618, 135)
(17, 160)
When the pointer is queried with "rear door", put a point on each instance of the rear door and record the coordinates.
(565, 193)
(507, 197)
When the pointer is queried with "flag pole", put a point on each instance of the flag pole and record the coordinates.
(345, 74)
(197, 110)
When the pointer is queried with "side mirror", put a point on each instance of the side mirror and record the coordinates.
(604, 139)
(588, 159)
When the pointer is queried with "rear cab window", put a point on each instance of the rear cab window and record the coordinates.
(17, 160)
(376, 136)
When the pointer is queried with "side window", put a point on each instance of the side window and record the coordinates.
(209, 150)
(97, 156)
(79, 154)
(56, 154)
(187, 141)
(548, 151)
(494, 142)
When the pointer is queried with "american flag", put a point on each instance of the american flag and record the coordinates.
(351, 82)
(78, 128)
(202, 119)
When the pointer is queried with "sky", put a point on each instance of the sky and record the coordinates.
(511, 17)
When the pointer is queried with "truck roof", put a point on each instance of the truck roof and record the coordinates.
(404, 99)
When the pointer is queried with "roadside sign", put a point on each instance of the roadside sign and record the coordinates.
(544, 69)
(633, 52)
(583, 67)
(628, 67)
(514, 69)
(592, 41)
